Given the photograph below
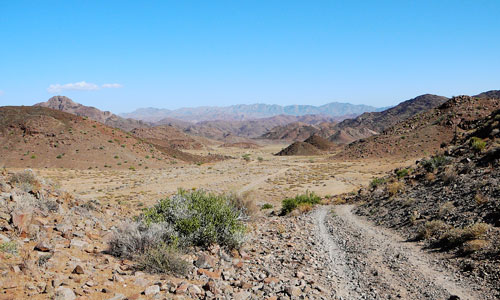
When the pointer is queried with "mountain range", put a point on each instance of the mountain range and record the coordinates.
(243, 112)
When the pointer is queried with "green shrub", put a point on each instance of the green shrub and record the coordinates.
(376, 182)
(200, 218)
(8, 247)
(267, 206)
(289, 204)
(478, 144)
(402, 173)
(434, 162)
(246, 157)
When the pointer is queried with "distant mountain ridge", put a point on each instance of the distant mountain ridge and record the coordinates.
(65, 104)
(242, 112)
(361, 126)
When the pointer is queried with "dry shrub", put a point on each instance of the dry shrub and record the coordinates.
(480, 198)
(457, 236)
(304, 207)
(338, 200)
(432, 229)
(245, 203)
(449, 175)
(430, 177)
(446, 208)
(162, 259)
(25, 180)
(475, 245)
(395, 187)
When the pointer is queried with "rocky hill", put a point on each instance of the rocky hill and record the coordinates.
(40, 137)
(298, 131)
(449, 201)
(313, 145)
(299, 148)
(371, 123)
(168, 136)
(246, 112)
(319, 142)
(221, 129)
(426, 132)
(493, 94)
(65, 104)
(363, 126)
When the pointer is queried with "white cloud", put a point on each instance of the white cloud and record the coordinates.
(111, 86)
(1, 92)
(81, 86)
(77, 86)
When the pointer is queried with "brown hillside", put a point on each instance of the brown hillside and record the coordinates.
(65, 104)
(42, 137)
(299, 148)
(426, 132)
(220, 129)
(319, 142)
(372, 123)
(440, 199)
(241, 145)
(167, 136)
(298, 131)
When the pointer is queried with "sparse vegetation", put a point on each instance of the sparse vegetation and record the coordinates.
(376, 182)
(246, 157)
(433, 228)
(267, 206)
(434, 162)
(187, 219)
(402, 172)
(289, 204)
(8, 247)
(162, 259)
(395, 187)
(455, 237)
(477, 144)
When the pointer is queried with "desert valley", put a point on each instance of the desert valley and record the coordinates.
(252, 202)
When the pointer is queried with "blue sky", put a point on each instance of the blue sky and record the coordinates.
(121, 55)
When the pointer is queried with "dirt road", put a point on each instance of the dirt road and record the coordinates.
(369, 262)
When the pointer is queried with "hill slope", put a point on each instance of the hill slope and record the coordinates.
(450, 202)
(39, 137)
(65, 104)
(168, 136)
(371, 123)
(221, 129)
(298, 131)
(425, 132)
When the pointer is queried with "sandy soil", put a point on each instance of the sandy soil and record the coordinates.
(270, 178)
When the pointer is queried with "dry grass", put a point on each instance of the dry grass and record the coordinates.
(446, 208)
(449, 175)
(433, 228)
(304, 208)
(430, 177)
(245, 202)
(395, 187)
(475, 245)
(480, 198)
(457, 236)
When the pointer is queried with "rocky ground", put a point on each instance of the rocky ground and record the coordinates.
(53, 243)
